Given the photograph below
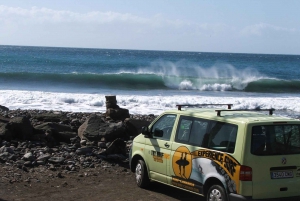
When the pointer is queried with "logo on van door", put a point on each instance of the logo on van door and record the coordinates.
(182, 162)
(182, 168)
(158, 156)
(283, 160)
(192, 169)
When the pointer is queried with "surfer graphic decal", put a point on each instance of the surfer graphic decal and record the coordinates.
(182, 163)
(192, 169)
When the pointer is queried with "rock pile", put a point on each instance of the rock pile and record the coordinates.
(113, 111)
(66, 140)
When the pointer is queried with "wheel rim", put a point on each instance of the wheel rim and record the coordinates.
(215, 195)
(138, 173)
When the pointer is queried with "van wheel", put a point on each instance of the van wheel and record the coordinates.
(141, 174)
(216, 193)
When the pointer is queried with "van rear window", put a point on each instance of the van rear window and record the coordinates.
(275, 140)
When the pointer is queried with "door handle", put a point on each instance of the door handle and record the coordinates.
(167, 145)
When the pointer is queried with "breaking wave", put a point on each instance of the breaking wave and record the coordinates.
(212, 79)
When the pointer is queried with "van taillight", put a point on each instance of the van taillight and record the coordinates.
(245, 173)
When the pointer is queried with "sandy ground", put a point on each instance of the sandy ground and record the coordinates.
(107, 182)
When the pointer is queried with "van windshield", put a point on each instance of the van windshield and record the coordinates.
(275, 140)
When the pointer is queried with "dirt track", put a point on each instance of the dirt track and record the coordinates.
(101, 183)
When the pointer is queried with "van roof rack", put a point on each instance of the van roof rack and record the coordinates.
(270, 111)
(199, 105)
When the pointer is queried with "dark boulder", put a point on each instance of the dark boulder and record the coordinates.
(64, 136)
(118, 146)
(53, 126)
(50, 117)
(4, 119)
(134, 126)
(3, 108)
(90, 128)
(59, 132)
(20, 128)
(96, 129)
(5, 133)
(117, 113)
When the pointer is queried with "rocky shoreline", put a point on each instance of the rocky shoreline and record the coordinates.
(40, 145)
(56, 155)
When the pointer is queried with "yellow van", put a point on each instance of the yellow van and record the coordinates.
(222, 154)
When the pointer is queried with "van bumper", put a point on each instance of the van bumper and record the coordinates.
(236, 197)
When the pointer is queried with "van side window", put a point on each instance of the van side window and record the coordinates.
(191, 131)
(184, 129)
(222, 137)
(165, 125)
(198, 131)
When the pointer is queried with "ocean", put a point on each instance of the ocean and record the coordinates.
(146, 82)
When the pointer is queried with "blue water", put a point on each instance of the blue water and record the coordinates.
(148, 73)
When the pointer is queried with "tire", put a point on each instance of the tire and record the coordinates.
(216, 193)
(141, 174)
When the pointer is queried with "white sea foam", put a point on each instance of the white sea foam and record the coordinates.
(216, 87)
(186, 85)
(140, 104)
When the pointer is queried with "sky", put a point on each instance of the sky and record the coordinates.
(256, 26)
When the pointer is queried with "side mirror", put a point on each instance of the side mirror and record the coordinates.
(145, 130)
(158, 133)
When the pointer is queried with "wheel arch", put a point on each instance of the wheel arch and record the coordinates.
(213, 181)
(135, 159)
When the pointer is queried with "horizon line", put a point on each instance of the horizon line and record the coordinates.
(148, 50)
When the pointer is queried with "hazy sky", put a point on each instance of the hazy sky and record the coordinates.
(238, 26)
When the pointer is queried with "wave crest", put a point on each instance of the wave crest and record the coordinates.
(220, 78)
